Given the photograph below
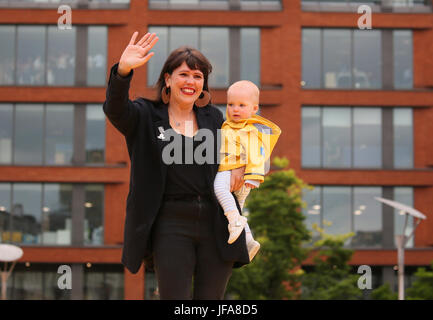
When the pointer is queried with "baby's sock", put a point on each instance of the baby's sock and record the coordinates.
(248, 234)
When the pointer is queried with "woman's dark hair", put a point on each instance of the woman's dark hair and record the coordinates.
(194, 59)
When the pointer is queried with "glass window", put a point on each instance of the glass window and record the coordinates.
(367, 137)
(96, 56)
(337, 58)
(367, 59)
(214, 44)
(102, 283)
(156, 63)
(403, 137)
(94, 212)
(336, 209)
(250, 54)
(7, 55)
(61, 56)
(311, 58)
(403, 59)
(403, 195)
(27, 285)
(57, 214)
(312, 211)
(6, 127)
(51, 288)
(336, 137)
(5, 209)
(183, 36)
(28, 142)
(311, 127)
(223, 109)
(31, 55)
(59, 140)
(95, 134)
(367, 215)
(26, 212)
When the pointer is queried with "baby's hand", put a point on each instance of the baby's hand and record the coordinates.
(249, 185)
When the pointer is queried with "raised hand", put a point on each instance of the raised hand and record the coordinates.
(136, 55)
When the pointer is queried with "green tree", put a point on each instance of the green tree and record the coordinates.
(422, 288)
(276, 218)
(332, 278)
(384, 292)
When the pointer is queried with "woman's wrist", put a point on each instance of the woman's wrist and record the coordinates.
(122, 71)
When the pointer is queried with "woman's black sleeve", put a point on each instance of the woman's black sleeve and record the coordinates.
(122, 112)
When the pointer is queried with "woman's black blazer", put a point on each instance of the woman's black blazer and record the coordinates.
(139, 121)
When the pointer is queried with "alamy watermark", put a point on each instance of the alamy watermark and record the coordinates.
(65, 20)
(364, 281)
(234, 146)
(364, 21)
(65, 280)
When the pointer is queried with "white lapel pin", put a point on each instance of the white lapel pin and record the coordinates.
(161, 131)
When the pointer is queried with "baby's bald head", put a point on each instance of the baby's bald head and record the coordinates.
(242, 100)
(248, 87)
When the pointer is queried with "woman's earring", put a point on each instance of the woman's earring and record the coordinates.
(203, 100)
(165, 95)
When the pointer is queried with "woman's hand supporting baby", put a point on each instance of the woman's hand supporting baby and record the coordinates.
(237, 178)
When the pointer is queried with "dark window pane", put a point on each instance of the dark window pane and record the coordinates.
(403, 138)
(94, 211)
(250, 54)
(27, 285)
(5, 211)
(61, 56)
(336, 209)
(28, 134)
(59, 134)
(367, 57)
(403, 195)
(7, 54)
(57, 214)
(311, 127)
(403, 64)
(102, 283)
(215, 46)
(26, 211)
(313, 208)
(183, 36)
(336, 58)
(367, 215)
(95, 134)
(367, 131)
(311, 58)
(155, 64)
(96, 56)
(31, 55)
(336, 137)
(6, 127)
(51, 288)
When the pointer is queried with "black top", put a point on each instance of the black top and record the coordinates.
(186, 177)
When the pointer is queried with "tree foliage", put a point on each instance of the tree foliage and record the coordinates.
(422, 288)
(277, 222)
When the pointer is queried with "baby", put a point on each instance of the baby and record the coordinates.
(248, 141)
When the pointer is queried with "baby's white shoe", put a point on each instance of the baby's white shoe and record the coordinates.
(253, 247)
(235, 228)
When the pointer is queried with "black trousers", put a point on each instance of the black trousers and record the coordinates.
(184, 248)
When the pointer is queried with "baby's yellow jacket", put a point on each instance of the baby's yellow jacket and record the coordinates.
(248, 143)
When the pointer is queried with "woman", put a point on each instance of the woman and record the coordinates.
(173, 218)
